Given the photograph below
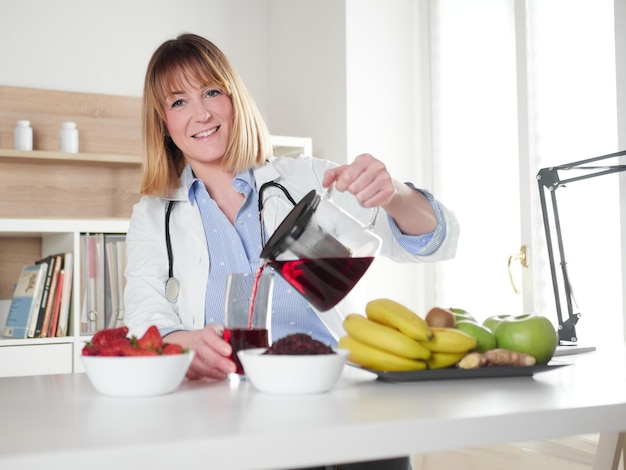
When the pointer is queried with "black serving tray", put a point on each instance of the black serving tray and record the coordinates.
(453, 373)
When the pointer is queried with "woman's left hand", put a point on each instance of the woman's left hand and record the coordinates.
(366, 178)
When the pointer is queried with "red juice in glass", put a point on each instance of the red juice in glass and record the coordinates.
(243, 338)
(247, 312)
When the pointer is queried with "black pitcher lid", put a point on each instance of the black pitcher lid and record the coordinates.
(292, 226)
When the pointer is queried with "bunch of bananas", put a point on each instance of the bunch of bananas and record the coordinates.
(391, 337)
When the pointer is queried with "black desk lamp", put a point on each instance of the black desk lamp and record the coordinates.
(548, 179)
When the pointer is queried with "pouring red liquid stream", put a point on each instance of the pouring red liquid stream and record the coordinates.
(255, 288)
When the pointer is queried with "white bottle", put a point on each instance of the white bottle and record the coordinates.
(69, 137)
(23, 137)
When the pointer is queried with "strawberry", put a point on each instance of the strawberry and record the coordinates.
(107, 335)
(114, 347)
(91, 350)
(170, 348)
(151, 339)
(130, 350)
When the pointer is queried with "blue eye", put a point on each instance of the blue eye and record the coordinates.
(177, 103)
(213, 93)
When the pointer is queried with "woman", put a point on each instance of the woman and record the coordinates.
(207, 153)
(207, 149)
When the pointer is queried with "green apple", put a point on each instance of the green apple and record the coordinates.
(528, 333)
(493, 321)
(461, 315)
(485, 337)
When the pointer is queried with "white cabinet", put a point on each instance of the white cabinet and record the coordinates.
(49, 355)
(37, 357)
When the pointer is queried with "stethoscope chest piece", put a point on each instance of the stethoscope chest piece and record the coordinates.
(172, 289)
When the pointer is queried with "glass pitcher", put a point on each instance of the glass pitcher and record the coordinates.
(320, 249)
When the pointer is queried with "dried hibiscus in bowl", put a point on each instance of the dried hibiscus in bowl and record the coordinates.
(298, 344)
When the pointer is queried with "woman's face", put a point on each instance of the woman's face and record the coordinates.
(199, 119)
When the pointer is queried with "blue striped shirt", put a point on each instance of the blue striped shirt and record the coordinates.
(237, 247)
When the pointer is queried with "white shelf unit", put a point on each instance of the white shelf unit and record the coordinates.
(287, 146)
(36, 356)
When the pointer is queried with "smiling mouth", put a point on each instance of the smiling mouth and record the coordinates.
(206, 133)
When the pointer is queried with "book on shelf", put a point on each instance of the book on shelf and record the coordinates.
(66, 296)
(92, 317)
(25, 302)
(35, 328)
(52, 296)
(56, 308)
(115, 254)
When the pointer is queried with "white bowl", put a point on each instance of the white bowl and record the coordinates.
(292, 374)
(139, 376)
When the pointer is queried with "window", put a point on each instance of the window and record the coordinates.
(488, 146)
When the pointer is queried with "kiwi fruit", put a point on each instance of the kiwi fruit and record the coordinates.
(438, 316)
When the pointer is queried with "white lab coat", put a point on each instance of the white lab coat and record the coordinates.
(147, 266)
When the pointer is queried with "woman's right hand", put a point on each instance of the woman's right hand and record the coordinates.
(212, 353)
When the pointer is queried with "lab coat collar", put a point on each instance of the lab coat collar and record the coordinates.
(262, 175)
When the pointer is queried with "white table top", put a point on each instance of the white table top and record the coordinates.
(60, 421)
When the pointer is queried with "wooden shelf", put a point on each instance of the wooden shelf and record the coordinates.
(70, 157)
(38, 227)
(7, 342)
(56, 184)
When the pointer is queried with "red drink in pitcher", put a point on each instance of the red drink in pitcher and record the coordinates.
(323, 281)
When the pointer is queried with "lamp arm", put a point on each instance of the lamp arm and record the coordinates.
(548, 179)
(566, 328)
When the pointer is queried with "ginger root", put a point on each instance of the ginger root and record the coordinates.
(472, 360)
(494, 358)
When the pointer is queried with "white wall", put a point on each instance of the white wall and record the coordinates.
(104, 47)
(290, 53)
(307, 87)
(386, 82)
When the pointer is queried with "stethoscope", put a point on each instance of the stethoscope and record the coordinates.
(172, 286)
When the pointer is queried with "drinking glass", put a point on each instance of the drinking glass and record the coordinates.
(248, 312)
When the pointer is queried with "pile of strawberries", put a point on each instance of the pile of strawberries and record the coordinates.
(114, 342)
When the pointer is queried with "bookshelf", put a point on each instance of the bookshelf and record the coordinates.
(41, 237)
(49, 198)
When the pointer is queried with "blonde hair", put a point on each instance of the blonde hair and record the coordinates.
(191, 58)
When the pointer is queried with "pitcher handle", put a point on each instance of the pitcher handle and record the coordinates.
(373, 217)
(372, 220)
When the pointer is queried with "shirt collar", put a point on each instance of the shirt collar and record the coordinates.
(243, 182)
(192, 183)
